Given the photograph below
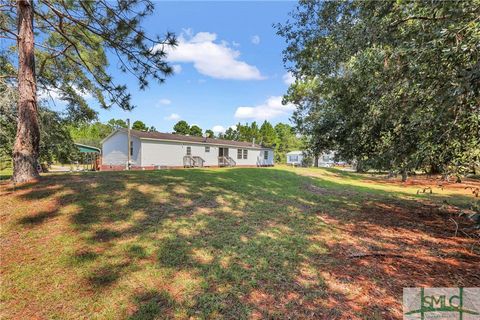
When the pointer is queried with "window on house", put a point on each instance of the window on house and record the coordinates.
(245, 153)
(207, 149)
(189, 151)
(293, 158)
(131, 148)
(265, 155)
(239, 154)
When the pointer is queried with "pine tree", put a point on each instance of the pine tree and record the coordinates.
(62, 47)
(181, 127)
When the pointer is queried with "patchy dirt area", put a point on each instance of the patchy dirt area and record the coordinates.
(271, 243)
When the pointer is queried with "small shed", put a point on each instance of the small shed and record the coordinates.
(295, 157)
(90, 156)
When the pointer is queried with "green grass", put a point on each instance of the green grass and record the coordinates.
(6, 173)
(205, 244)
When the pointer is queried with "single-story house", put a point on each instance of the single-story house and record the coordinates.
(156, 150)
(295, 158)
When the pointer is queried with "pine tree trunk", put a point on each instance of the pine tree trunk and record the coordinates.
(26, 148)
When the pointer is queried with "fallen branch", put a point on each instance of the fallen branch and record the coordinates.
(375, 254)
(456, 226)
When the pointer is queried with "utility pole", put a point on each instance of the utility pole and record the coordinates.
(129, 144)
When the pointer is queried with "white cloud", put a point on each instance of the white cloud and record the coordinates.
(235, 44)
(218, 129)
(256, 39)
(164, 101)
(173, 116)
(211, 58)
(288, 78)
(177, 68)
(271, 108)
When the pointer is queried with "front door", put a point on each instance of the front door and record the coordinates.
(223, 152)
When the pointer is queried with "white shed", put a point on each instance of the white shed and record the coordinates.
(154, 150)
(295, 157)
(326, 159)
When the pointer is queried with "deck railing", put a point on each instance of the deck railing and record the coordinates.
(226, 161)
(193, 161)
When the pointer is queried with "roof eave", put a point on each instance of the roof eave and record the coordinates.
(206, 142)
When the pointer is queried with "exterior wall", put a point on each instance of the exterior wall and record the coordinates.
(170, 154)
(255, 157)
(299, 161)
(114, 150)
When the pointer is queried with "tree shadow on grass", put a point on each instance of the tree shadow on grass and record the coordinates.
(152, 305)
(241, 242)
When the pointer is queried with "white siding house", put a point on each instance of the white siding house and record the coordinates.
(295, 158)
(152, 150)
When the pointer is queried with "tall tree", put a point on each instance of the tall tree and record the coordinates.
(181, 127)
(196, 131)
(230, 134)
(117, 123)
(209, 133)
(92, 133)
(139, 125)
(62, 47)
(268, 136)
(286, 141)
(393, 85)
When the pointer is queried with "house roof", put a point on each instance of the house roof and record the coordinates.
(295, 153)
(179, 137)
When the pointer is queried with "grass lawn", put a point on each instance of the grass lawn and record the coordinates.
(227, 243)
(6, 173)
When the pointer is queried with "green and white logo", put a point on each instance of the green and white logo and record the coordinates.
(441, 303)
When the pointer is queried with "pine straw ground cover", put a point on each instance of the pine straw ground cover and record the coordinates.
(234, 243)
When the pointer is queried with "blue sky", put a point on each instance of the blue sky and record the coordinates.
(229, 66)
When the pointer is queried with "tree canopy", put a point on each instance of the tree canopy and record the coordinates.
(139, 125)
(195, 131)
(56, 143)
(181, 127)
(209, 133)
(393, 85)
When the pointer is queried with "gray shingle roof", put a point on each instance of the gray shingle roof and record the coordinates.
(180, 137)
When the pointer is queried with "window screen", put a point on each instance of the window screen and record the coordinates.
(189, 151)
(239, 154)
(245, 153)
